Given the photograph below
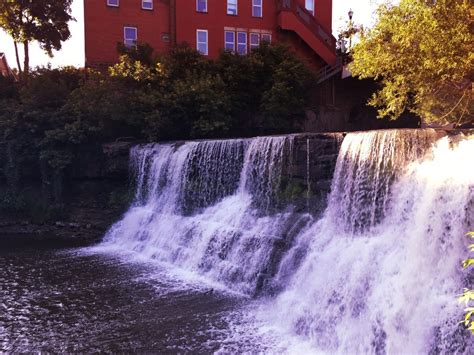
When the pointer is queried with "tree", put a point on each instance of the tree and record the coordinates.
(421, 51)
(142, 52)
(283, 104)
(44, 21)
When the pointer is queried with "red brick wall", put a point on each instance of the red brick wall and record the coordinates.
(216, 19)
(323, 13)
(104, 27)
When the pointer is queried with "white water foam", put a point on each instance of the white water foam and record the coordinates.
(377, 274)
(387, 287)
(226, 232)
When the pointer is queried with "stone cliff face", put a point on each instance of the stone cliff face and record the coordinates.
(94, 192)
(315, 156)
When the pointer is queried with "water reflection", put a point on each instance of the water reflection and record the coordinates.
(65, 301)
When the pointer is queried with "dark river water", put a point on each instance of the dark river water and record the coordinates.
(74, 300)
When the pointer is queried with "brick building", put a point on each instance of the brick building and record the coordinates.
(5, 69)
(209, 26)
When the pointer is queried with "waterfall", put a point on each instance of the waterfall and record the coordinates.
(308, 180)
(382, 267)
(368, 164)
(210, 207)
(377, 272)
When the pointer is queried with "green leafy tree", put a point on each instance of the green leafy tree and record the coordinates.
(48, 121)
(183, 61)
(283, 104)
(8, 88)
(142, 52)
(244, 78)
(199, 106)
(269, 89)
(137, 71)
(44, 21)
(180, 96)
(422, 52)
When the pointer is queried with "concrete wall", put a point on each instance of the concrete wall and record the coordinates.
(341, 105)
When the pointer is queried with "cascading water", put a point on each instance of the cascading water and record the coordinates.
(367, 166)
(378, 273)
(208, 207)
(383, 267)
(308, 180)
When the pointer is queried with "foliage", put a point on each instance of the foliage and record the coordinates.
(8, 88)
(26, 203)
(183, 61)
(348, 34)
(44, 21)
(269, 83)
(422, 53)
(142, 52)
(46, 121)
(136, 71)
(283, 104)
(200, 106)
(468, 296)
(183, 95)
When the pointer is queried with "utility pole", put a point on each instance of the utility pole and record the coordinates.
(351, 27)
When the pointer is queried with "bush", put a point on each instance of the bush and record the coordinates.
(183, 95)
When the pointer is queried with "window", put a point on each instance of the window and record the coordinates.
(309, 5)
(113, 3)
(201, 5)
(130, 36)
(232, 7)
(242, 42)
(257, 8)
(147, 4)
(229, 41)
(254, 41)
(201, 42)
(266, 37)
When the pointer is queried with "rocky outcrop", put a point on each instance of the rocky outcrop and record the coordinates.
(315, 156)
(95, 192)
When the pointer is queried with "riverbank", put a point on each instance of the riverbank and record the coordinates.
(85, 232)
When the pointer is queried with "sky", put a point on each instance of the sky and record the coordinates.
(72, 52)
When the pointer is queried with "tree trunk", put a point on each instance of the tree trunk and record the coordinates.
(26, 64)
(18, 59)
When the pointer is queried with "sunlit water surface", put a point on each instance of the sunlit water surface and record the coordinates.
(83, 301)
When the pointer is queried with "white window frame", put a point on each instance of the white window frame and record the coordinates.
(147, 2)
(268, 35)
(226, 43)
(125, 28)
(242, 43)
(254, 46)
(236, 8)
(207, 41)
(313, 4)
(257, 6)
(197, 6)
(113, 5)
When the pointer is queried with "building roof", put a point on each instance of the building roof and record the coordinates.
(5, 69)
